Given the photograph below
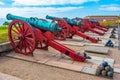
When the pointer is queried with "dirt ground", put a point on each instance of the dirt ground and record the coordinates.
(33, 71)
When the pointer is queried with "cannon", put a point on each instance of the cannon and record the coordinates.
(27, 34)
(73, 26)
(98, 24)
(95, 24)
(87, 26)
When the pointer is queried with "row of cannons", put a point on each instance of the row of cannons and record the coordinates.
(27, 34)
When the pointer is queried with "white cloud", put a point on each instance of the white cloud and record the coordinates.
(34, 11)
(49, 2)
(1, 3)
(112, 7)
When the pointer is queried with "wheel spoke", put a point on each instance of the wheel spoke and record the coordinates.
(29, 38)
(28, 45)
(17, 28)
(26, 31)
(21, 28)
(24, 46)
(29, 42)
(20, 44)
(15, 31)
(28, 34)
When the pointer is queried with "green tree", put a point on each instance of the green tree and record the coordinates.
(6, 23)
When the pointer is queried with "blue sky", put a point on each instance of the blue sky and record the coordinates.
(61, 8)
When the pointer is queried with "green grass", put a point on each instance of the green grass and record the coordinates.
(3, 34)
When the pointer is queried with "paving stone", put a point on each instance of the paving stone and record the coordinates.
(95, 66)
(97, 58)
(67, 57)
(104, 41)
(117, 70)
(85, 64)
(22, 57)
(94, 44)
(66, 60)
(93, 61)
(11, 53)
(64, 65)
(8, 77)
(53, 57)
(116, 65)
(80, 43)
(96, 49)
(89, 70)
(37, 57)
(106, 37)
(59, 55)
(116, 45)
(41, 58)
(71, 43)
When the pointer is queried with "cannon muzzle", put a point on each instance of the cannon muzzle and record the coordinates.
(69, 21)
(51, 17)
(35, 22)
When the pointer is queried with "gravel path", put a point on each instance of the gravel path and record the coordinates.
(33, 71)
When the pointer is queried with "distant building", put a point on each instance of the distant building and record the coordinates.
(103, 18)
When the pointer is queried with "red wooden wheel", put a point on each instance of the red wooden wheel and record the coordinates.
(71, 32)
(22, 37)
(61, 35)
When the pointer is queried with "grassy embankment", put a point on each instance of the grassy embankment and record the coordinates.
(111, 23)
(3, 34)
